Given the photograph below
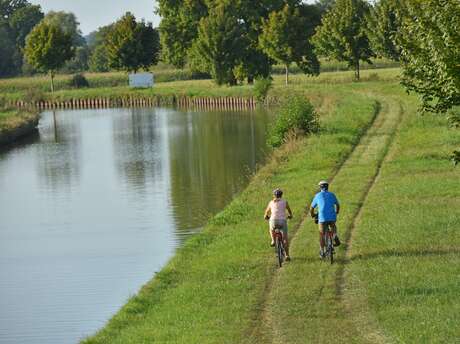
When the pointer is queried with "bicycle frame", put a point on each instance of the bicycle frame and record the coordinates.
(279, 245)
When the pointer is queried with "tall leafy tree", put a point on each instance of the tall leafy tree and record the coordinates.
(17, 18)
(383, 27)
(7, 50)
(68, 22)
(8, 7)
(430, 50)
(324, 5)
(47, 48)
(286, 39)
(179, 28)
(342, 35)
(23, 20)
(131, 45)
(98, 60)
(219, 44)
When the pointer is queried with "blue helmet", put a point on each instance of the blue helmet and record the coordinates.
(278, 193)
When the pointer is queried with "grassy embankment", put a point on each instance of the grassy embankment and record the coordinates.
(211, 290)
(397, 279)
(15, 123)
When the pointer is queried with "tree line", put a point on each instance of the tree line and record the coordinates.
(34, 42)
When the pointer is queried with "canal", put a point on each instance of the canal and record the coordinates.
(99, 200)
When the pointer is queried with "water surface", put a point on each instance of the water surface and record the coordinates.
(98, 201)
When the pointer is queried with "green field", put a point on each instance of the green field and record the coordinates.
(114, 84)
(396, 278)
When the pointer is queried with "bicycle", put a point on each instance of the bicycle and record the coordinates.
(328, 250)
(279, 246)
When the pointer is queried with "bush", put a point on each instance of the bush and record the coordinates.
(455, 157)
(453, 117)
(79, 81)
(296, 117)
(261, 88)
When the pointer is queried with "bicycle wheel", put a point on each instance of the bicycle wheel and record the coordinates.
(279, 251)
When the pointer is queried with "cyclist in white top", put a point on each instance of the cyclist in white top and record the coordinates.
(276, 213)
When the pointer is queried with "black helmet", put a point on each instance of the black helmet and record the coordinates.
(278, 193)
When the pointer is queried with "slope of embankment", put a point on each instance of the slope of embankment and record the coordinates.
(15, 124)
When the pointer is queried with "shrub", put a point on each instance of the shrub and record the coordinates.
(296, 117)
(79, 81)
(455, 157)
(261, 88)
(454, 118)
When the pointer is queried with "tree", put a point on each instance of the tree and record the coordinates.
(383, 27)
(285, 38)
(68, 23)
(23, 20)
(150, 43)
(324, 5)
(219, 44)
(47, 48)
(8, 7)
(98, 60)
(342, 35)
(179, 28)
(132, 45)
(17, 19)
(430, 52)
(7, 50)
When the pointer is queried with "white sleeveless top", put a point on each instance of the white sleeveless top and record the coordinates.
(278, 210)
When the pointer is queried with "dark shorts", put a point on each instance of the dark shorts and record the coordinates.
(327, 225)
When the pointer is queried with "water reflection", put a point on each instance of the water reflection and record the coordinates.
(210, 157)
(100, 201)
(58, 156)
(139, 147)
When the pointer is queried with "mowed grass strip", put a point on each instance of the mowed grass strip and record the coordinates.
(211, 291)
(304, 294)
(405, 256)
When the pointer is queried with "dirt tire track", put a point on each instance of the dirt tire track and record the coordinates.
(263, 320)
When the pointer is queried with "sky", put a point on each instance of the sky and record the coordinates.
(93, 14)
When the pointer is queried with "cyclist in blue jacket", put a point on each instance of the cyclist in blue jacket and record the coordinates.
(328, 208)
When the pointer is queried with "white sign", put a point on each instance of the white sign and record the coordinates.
(143, 80)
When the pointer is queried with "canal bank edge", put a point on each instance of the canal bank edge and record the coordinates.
(24, 124)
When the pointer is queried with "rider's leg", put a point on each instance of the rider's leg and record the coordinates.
(286, 243)
(321, 236)
(272, 236)
(336, 236)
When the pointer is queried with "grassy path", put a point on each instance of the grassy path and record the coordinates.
(307, 292)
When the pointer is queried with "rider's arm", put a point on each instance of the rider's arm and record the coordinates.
(267, 212)
(288, 208)
(337, 208)
(314, 204)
